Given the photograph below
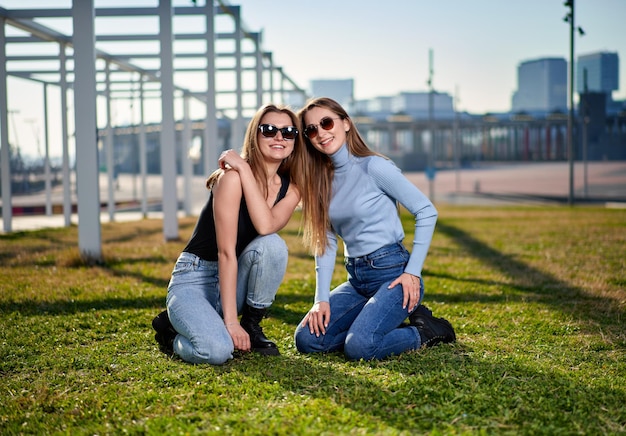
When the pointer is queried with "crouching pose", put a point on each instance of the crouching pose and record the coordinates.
(352, 192)
(234, 261)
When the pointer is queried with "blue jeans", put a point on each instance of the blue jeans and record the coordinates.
(365, 316)
(193, 297)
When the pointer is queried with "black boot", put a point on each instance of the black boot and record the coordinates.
(432, 330)
(165, 332)
(250, 321)
(421, 310)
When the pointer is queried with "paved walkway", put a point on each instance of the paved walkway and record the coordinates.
(527, 183)
(489, 184)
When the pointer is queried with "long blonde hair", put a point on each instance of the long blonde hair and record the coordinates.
(252, 153)
(315, 174)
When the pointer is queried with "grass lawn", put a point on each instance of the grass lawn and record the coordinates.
(537, 296)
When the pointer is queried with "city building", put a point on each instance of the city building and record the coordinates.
(541, 86)
(417, 104)
(413, 104)
(599, 73)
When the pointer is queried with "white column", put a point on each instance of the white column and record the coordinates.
(89, 232)
(5, 169)
(108, 142)
(259, 70)
(238, 129)
(211, 136)
(271, 81)
(168, 136)
(46, 163)
(67, 181)
(143, 164)
(184, 155)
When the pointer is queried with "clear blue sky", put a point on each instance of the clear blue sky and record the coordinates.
(384, 46)
(477, 44)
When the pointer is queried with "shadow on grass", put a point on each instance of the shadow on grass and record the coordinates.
(139, 232)
(432, 392)
(527, 281)
(283, 309)
(45, 239)
(65, 307)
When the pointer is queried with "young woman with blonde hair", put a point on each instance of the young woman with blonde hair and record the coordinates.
(352, 192)
(234, 261)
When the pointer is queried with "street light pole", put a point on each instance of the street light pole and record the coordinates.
(430, 171)
(570, 119)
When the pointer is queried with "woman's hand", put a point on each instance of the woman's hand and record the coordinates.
(241, 338)
(318, 318)
(231, 159)
(410, 288)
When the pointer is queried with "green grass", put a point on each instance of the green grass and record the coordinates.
(537, 297)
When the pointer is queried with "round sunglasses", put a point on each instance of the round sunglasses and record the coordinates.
(326, 123)
(270, 131)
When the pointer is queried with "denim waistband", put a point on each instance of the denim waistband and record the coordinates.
(195, 259)
(384, 250)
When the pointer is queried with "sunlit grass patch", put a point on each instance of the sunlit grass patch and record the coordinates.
(536, 294)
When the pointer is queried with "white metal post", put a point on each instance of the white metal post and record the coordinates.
(210, 129)
(143, 165)
(67, 182)
(89, 232)
(168, 136)
(46, 163)
(271, 80)
(238, 127)
(108, 141)
(259, 70)
(184, 155)
(5, 169)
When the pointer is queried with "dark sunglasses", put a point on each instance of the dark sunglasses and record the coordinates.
(326, 123)
(270, 130)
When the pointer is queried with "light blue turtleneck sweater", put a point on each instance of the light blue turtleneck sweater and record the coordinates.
(363, 212)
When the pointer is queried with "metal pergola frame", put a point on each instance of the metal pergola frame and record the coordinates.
(112, 76)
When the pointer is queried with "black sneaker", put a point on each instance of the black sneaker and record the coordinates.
(432, 330)
(165, 332)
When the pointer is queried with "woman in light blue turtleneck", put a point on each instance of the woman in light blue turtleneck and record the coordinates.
(352, 192)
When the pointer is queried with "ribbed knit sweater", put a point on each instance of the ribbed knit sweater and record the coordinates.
(363, 213)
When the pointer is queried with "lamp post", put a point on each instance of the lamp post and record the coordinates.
(570, 119)
(430, 170)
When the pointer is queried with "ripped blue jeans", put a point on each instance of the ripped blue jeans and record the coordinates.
(193, 297)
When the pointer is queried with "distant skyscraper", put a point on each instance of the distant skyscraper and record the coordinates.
(340, 90)
(601, 70)
(541, 86)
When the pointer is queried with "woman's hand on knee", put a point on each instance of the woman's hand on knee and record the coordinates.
(318, 318)
(411, 289)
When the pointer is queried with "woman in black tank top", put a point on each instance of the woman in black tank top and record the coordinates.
(234, 261)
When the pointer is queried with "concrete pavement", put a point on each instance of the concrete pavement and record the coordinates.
(487, 184)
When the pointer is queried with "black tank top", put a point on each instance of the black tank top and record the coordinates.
(203, 242)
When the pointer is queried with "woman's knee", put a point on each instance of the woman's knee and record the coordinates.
(306, 342)
(218, 354)
(357, 347)
(208, 350)
(274, 247)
